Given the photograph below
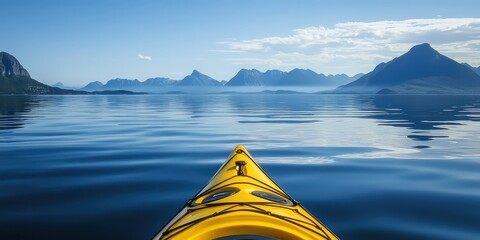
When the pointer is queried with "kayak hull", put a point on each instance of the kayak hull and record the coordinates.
(242, 202)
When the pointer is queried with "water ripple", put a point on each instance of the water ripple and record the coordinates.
(369, 167)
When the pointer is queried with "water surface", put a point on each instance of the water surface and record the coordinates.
(118, 167)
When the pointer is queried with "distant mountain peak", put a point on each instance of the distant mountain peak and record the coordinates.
(295, 70)
(97, 85)
(198, 79)
(59, 85)
(274, 71)
(424, 50)
(337, 75)
(246, 77)
(195, 72)
(425, 46)
(15, 79)
(11, 67)
(244, 70)
(421, 69)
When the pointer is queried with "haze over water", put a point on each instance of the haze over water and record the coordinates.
(119, 167)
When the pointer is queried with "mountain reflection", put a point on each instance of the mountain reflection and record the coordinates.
(13, 110)
(425, 114)
(424, 117)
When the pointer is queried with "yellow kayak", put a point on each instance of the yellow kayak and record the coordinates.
(242, 202)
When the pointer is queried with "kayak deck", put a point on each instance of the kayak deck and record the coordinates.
(242, 202)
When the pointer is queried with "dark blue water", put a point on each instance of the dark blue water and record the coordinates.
(118, 167)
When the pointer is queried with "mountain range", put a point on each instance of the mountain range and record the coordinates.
(296, 77)
(245, 77)
(194, 79)
(421, 70)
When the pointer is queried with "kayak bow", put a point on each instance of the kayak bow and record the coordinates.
(242, 202)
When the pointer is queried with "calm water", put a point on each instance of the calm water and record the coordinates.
(118, 167)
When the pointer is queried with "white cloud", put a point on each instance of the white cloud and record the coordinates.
(364, 43)
(144, 57)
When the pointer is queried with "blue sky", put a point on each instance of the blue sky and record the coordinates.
(76, 42)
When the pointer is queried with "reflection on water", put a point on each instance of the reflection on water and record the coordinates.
(430, 121)
(369, 167)
(428, 112)
(13, 109)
